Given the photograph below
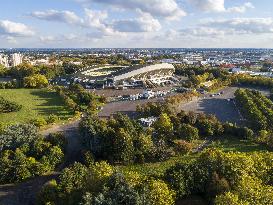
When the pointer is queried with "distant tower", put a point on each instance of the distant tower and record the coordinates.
(16, 59)
(4, 60)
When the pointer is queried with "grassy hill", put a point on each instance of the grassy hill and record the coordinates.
(36, 103)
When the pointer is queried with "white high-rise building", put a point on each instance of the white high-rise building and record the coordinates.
(4, 60)
(16, 59)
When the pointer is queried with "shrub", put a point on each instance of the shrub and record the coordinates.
(188, 132)
(183, 147)
(57, 139)
(157, 192)
(38, 122)
(48, 193)
(52, 119)
(8, 106)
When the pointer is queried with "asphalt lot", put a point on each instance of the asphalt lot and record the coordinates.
(219, 106)
(224, 110)
(125, 107)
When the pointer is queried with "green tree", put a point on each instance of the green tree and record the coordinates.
(35, 81)
(117, 191)
(163, 126)
(157, 192)
(188, 132)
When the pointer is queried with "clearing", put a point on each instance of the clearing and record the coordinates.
(36, 103)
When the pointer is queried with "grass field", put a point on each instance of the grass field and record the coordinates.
(237, 145)
(36, 103)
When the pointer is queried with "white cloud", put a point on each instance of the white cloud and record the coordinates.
(97, 19)
(47, 39)
(160, 8)
(11, 40)
(204, 32)
(98, 22)
(209, 5)
(241, 9)
(145, 23)
(243, 25)
(15, 29)
(219, 6)
(60, 16)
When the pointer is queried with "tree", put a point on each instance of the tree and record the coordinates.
(3, 70)
(230, 199)
(18, 135)
(188, 132)
(164, 127)
(157, 192)
(35, 81)
(123, 147)
(48, 193)
(117, 191)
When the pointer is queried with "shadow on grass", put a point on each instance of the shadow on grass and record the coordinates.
(52, 104)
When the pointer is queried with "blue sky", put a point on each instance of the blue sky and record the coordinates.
(136, 23)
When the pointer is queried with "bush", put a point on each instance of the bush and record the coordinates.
(57, 139)
(48, 193)
(38, 122)
(52, 119)
(183, 147)
(157, 192)
(8, 106)
(188, 132)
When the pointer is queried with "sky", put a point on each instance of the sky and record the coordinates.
(136, 24)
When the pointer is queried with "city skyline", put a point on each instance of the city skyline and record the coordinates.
(136, 23)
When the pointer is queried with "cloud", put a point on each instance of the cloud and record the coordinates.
(145, 23)
(60, 16)
(11, 40)
(48, 39)
(10, 28)
(160, 8)
(219, 6)
(241, 9)
(97, 21)
(243, 25)
(204, 32)
(209, 5)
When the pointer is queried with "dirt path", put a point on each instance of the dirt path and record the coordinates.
(25, 193)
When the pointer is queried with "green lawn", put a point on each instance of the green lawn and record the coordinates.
(36, 103)
(233, 144)
(156, 169)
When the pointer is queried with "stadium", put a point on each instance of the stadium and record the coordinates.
(127, 76)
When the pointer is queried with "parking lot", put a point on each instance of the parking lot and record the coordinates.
(125, 107)
(218, 105)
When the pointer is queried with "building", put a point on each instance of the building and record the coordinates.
(145, 72)
(16, 59)
(147, 122)
(4, 60)
(127, 76)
